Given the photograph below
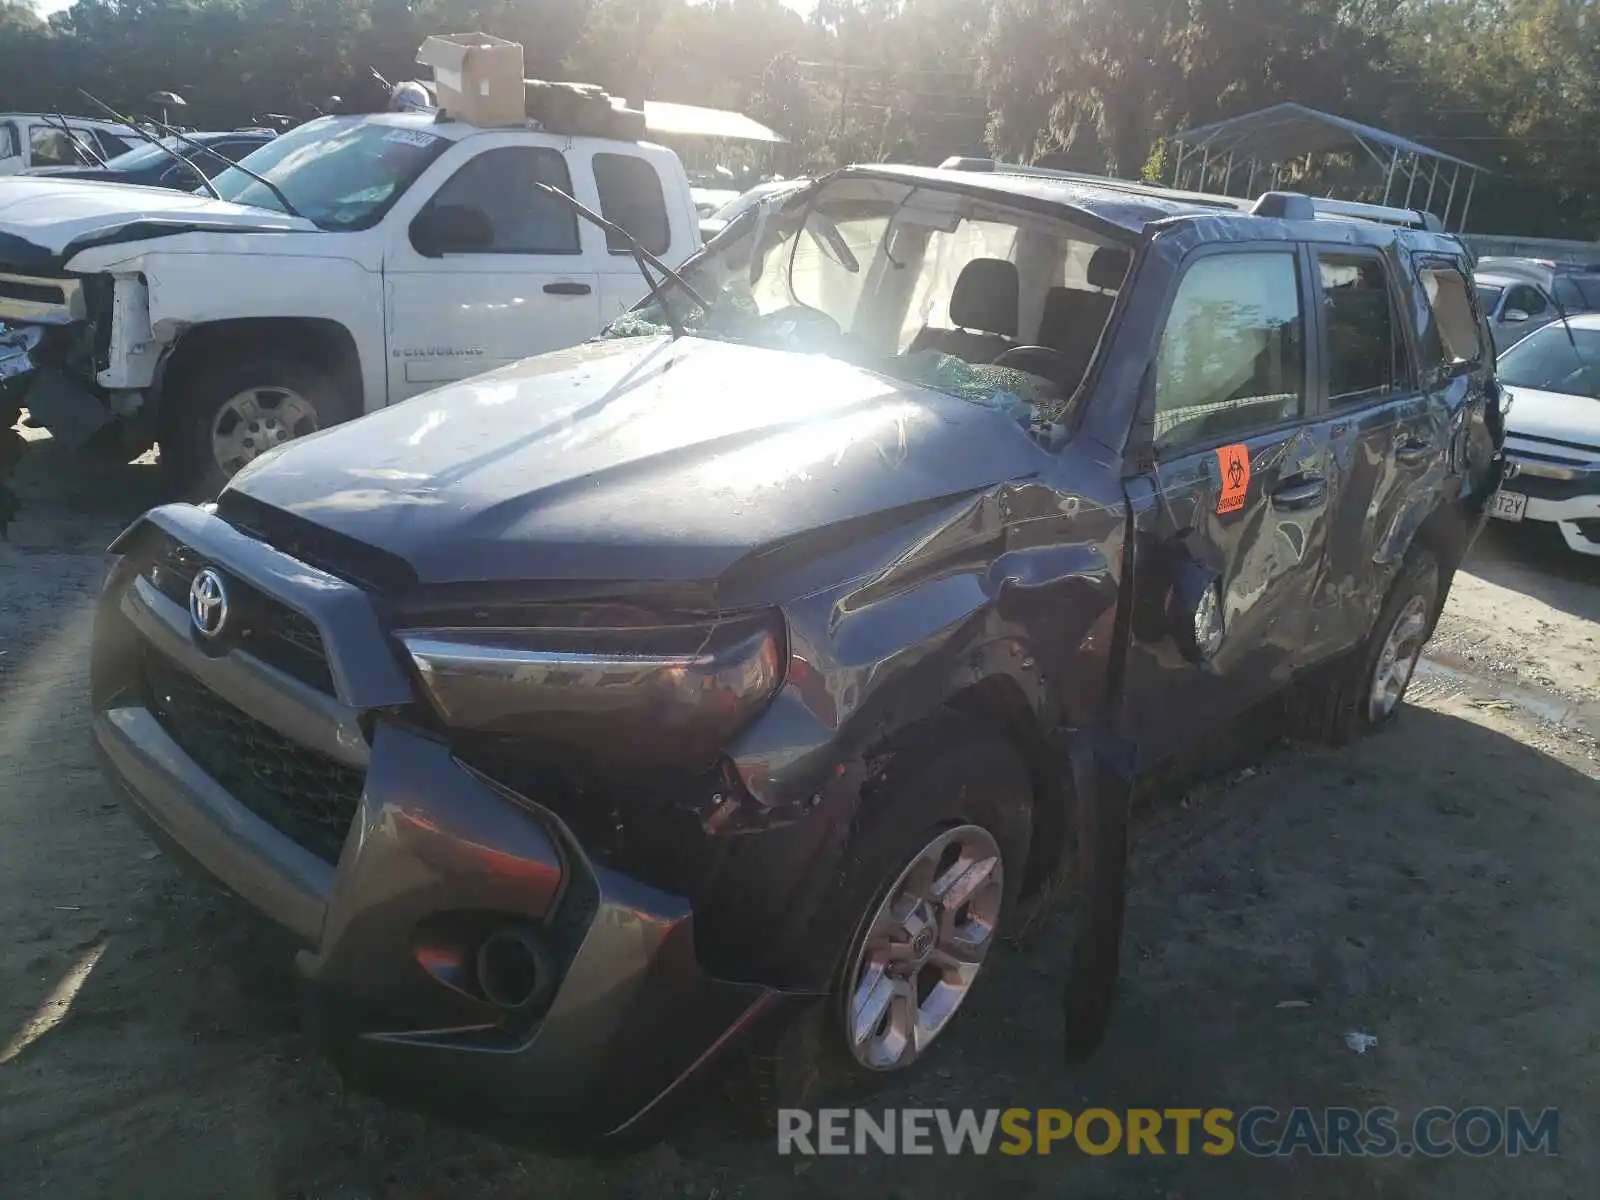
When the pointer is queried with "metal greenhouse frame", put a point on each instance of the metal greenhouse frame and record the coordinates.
(1247, 145)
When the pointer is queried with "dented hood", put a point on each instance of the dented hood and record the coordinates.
(638, 459)
(41, 215)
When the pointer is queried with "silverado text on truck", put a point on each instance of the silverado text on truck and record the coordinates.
(415, 251)
(731, 682)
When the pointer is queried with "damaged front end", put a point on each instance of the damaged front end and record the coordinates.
(55, 340)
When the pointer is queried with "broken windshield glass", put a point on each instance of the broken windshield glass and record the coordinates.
(937, 288)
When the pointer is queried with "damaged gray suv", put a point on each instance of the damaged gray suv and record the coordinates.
(720, 690)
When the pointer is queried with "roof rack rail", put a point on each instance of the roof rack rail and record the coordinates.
(959, 163)
(1292, 206)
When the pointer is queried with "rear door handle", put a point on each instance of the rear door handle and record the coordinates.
(1300, 492)
(567, 287)
(1412, 452)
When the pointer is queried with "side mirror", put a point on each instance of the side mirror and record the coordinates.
(1512, 316)
(442, 229)
(178, 177)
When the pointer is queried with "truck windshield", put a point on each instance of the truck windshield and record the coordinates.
(341, 173)
(931, 286)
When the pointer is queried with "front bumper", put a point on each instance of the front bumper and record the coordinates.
(434, 856)
(1567, 495)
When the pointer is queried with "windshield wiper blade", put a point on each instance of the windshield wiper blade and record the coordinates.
(147, 136)
(288, 208)
(641, 256)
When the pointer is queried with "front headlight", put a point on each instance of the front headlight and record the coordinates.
(640, 695)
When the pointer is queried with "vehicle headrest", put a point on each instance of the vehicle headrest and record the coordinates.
(1108, 267)
(985, 297)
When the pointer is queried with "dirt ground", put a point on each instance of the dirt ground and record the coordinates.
(1434, 886)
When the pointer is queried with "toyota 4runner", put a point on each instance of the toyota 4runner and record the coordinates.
(724, 687)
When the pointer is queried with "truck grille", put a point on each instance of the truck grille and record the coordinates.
(49, 301)
(302, 794)
(274, 633)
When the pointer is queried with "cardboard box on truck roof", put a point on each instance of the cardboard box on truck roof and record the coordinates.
(477, 76)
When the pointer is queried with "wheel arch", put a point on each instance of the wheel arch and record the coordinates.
(320, 340)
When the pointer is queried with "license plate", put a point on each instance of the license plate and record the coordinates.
(1509, 506)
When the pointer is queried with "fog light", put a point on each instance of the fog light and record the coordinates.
(514, 969)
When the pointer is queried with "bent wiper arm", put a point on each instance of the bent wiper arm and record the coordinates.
(640, 254)
(147, 136)
(658, 295)
(288, 208)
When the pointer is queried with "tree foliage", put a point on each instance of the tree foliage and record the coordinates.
(1092, 84)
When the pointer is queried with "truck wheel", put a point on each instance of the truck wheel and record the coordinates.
(1367, 688)
(231, 411)
(909, 920)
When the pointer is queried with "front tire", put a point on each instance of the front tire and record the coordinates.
(231, 411)
(908, 920)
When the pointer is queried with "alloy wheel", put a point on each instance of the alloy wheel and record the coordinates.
(1398, 659)
(917, 957)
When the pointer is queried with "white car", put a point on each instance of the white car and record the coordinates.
(383, 256)
(30, 140)
(1552, 379)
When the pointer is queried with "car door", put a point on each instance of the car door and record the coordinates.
(1231, 508)
(1380, 438)
(487, 272)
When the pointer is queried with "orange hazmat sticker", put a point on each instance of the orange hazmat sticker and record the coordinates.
(1233, 463)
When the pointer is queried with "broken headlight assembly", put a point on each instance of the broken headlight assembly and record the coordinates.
(645, 696)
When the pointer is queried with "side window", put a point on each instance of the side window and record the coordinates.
(490, 206)
(630, 196)
(1366, 360)
(223, 153)
(110, 145)
(1232, 357)
(1568, 294)
(50, 147)
(9, 146)
(1529, 299)
(1451, 338)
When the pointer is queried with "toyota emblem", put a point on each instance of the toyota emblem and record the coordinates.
(208, 603)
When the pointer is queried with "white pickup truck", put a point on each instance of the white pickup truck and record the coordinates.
(392, 253)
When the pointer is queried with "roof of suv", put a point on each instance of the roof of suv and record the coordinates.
(1111, 202)
(1125, 209)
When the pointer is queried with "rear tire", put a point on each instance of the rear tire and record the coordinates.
(232, 410)
(940, 816)
(1368, 687)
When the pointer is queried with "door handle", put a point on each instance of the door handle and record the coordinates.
(567, 287)
(1413, 452)
(1300, 492)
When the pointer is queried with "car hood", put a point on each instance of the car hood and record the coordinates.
(638, 459)
(51, 214)
(1553, 415)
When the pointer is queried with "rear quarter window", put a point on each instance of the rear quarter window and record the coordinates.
(631, 196)
(1451, 338)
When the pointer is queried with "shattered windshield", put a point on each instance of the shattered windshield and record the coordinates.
(341, 173)
(933, 287)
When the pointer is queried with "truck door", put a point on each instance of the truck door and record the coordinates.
(1230, 510)
(488, 271)
(628, 192)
